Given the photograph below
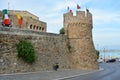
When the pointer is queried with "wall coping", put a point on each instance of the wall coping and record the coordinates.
(10, 30)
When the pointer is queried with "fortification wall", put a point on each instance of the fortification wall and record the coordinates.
(50, 49)
(81, 17)
(79, 32)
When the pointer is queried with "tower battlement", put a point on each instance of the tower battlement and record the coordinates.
(79, 14)
(82, 18)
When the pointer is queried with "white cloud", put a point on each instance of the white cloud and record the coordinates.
(54, 24)
(103, 17)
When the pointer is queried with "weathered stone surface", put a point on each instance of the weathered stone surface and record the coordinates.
(29, 20)
(79, 32)
(50, 49)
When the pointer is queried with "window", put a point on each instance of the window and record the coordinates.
(42, 29)
(31, 26)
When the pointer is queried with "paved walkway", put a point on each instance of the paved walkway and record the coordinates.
(45, 75)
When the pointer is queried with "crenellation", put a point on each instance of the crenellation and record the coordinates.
(80, 14)
(81, 17)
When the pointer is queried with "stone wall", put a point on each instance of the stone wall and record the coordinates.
(50, 49)
(23, 13)
(75, 50)
(79, 32)
(29, 23)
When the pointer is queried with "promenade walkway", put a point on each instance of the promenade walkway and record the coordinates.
(45, 75)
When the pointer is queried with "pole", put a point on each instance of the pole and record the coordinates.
(104, 54)
(8, 5)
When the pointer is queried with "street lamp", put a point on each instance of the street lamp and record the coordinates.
(104, 54)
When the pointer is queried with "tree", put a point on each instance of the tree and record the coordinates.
(62, 31)
(97, 53)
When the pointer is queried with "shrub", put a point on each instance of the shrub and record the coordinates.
(97, 53)
(68, 46)
(26, 51)
(62, 31)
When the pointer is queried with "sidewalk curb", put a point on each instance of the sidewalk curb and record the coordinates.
(52, 71)
(101, 69)
(22, 73)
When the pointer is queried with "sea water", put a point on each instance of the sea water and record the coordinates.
(109, 55)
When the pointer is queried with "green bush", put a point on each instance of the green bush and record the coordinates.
(26, 51)
(62, 31)
(68, 46)
(97, 53)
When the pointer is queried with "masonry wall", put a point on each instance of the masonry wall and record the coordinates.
(23, 13)
(74, 50)
(29, 21)
(50, 49)
(79, 32)
(83, 55)
(29, 24)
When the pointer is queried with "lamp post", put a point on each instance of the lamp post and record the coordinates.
(104, 54)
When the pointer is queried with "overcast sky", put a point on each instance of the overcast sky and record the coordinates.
(106, 16)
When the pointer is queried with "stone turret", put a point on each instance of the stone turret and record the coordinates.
(79, 32)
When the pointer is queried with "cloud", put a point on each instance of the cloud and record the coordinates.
(107, 37)
(104, 17)
(54, 24)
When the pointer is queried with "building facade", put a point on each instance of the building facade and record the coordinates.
(1, 17)
(29, 20)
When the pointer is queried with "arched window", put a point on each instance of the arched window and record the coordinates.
(31, 26)
(42, 29)
(34, 27)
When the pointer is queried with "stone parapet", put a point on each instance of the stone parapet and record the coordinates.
(50, 49)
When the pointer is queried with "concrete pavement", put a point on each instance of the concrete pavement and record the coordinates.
(111, 72)
(45, 75)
